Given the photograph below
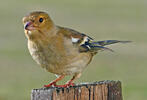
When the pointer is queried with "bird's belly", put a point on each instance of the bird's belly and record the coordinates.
(63, 66)
(47, 62)
(76, 64)
(59, 64)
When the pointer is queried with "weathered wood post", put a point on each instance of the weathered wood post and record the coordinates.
(103, 90)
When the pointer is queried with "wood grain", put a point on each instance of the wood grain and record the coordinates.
(103, 90)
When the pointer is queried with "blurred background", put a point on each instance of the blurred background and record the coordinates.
(100, 19)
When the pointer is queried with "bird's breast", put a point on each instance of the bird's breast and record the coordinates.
(44, 55)
(60, 61)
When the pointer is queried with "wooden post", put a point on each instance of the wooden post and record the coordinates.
(103, 90)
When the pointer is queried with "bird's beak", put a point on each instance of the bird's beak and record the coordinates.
(29, 26)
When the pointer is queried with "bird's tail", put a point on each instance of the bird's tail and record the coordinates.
(99, 45)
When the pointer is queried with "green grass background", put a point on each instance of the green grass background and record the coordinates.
(100, 19)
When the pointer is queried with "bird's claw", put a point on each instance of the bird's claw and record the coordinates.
(51, 84)
(63, 86)
(66, 85)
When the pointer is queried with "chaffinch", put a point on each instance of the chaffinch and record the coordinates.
(62, 51)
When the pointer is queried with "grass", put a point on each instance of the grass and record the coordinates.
(101, 19)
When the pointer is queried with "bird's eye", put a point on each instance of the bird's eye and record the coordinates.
(40, 20)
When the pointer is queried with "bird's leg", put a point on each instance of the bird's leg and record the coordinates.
(70, 82)
(54, 81)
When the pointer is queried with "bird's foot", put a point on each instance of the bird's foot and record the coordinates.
(51, 84)
(65, 85)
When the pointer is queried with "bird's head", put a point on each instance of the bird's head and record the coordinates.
(37, 22)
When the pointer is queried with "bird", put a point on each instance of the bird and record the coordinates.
(60, 50)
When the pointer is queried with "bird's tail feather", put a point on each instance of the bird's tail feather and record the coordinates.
(96, 48)
(108, 42)
(99, 45)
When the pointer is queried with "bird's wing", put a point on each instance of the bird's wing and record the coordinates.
(84, 42)
(78, 39)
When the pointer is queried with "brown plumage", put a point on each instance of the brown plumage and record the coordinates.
(59, 50)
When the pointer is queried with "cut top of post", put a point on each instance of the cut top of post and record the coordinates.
(103, 90)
